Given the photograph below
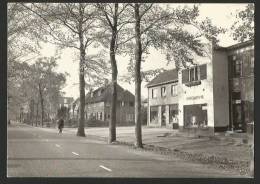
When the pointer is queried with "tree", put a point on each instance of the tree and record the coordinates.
(21, 43)
(43, 85)
(114, 19)
(243, 28)
(69, 25)
(165, 28)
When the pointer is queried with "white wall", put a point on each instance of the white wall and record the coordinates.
(202, 93)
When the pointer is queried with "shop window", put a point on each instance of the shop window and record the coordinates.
(195, 115)
(173, 113)
(154, 114)
(174, 90)
(163, 91)
(154, 93)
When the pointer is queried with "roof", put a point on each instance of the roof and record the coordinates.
(239, 45)
(164, 77)
(104, 94)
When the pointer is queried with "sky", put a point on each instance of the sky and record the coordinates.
(222, 15)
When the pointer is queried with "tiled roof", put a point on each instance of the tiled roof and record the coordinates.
(164, 77)
(104, 93)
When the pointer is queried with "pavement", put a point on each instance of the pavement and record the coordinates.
(42, 152)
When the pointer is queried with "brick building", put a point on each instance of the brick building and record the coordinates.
(98, 105)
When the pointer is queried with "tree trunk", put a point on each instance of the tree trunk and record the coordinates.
(37, 113)
(112, 122)
(32, 112)
(81, 127)
(138, 57)
(42, 106)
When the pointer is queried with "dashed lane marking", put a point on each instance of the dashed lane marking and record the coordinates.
(75, 153)
(105, 168)
(57, 145)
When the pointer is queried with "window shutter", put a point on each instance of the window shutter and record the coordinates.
(203, 71)
(185, 76)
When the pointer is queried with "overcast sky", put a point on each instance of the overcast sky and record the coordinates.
(221, 15)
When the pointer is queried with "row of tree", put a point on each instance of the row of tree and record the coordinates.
(119, 29)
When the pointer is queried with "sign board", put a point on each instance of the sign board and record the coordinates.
(237, 101)
(204, 107)
(195, 97)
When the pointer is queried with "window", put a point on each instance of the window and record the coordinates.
(173, 113)
(195, 115)
(123, 104)
(252, 60)
(100, 115)
(237, 68)
(154, 93)
(131, 104)
(99, 93)
(174, 91)
(193, 74)
(163, 92)
(130, 117)
(154, 114)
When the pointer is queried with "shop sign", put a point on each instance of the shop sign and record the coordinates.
(204, 107)
(237, 101)
(195, 97)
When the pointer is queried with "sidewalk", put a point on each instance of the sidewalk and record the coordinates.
(225, 151)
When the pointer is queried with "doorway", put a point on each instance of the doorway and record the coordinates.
(163, 115)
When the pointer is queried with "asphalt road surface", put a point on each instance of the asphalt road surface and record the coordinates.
(36, 152)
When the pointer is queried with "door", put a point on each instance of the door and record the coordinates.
(163, 116)
(237, 116)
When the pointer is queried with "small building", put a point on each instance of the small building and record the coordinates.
(65, 102)
(215, 93)
(98, 106)
(163, 99)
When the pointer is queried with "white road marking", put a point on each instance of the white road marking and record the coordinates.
(57, 145)
(105, 168)
(75, 153)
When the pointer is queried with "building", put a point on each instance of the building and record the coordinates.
(241, 82)
(215, 93)
(98, 106)
(163, 99)
(65, 102)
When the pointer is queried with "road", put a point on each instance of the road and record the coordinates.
(35, 152)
